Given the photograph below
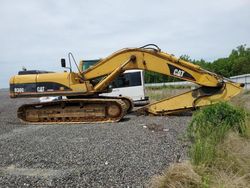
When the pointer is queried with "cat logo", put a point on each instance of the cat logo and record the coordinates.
(178, 72)
(40, 89)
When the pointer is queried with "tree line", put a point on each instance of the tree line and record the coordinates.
(237, 63)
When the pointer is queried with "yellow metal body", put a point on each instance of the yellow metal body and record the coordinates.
(69, 83)
(193, 99)
(80, 84)
(152, 61)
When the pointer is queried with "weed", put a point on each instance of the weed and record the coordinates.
(242, 100)
(178, 175)
(209, 127)
(167, 87)
(247, 92)
(218, 117)
(231, 167)
(156, 94)
(219, 154)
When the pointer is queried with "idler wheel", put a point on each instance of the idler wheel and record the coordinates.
(113, 110)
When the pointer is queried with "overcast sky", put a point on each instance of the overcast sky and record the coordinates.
(37, 33)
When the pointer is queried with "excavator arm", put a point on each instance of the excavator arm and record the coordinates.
(213, 87)
(155, 61)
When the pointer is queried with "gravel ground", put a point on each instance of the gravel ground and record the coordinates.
(124, 154)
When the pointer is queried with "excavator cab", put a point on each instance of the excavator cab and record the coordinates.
(85, 64)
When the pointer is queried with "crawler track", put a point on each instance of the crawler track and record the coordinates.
(73, 111)
(127, 100)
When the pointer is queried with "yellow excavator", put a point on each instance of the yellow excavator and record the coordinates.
(82, 89)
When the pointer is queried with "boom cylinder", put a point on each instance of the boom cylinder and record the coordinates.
(106, 81)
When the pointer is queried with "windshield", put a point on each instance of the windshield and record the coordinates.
(89, 63)
(127, 80)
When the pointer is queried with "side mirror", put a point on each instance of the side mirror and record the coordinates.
(63, 63)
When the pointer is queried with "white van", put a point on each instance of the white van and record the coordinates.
(130, 84)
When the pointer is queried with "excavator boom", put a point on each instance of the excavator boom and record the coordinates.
(86, 85)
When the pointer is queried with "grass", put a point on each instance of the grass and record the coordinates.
(209, 127)
(167, 87)
(177, 175)
(247, 92)
(158, 93)
(242, 100)
(219, 155)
